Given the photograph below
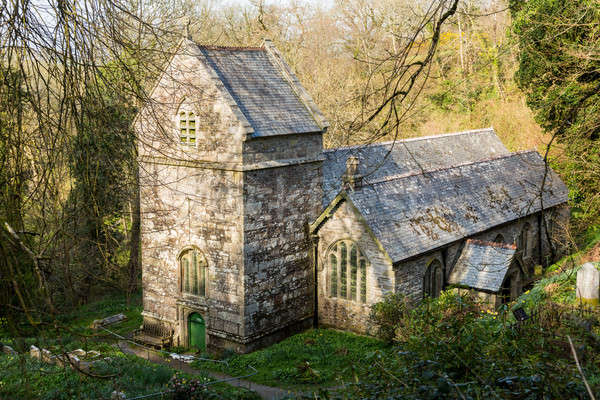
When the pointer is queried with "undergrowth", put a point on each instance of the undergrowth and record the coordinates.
(24, 377)
(453, 347)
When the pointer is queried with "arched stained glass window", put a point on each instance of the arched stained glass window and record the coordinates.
(187, 128)
(433, 281)
(343, 270)
(193, 272)
(333, 265)
(347, 272)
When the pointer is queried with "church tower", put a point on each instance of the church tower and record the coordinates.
(230, 148)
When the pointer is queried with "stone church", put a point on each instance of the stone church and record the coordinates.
(251, 231)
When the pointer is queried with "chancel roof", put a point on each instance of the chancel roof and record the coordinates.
(482, 265)
(415, 212)
(380, 160)
(264, 90)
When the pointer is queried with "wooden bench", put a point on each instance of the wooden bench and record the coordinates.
(153, 334)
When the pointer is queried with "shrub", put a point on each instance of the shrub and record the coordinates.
(452, 347)
(389, 314)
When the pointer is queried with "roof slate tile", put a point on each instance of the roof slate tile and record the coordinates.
(419, 212)
(266, 99)
(382, 160)
(482, 265)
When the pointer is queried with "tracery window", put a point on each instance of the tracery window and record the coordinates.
(433, 281)
(187, 128)
(347, 272)
(193, 272)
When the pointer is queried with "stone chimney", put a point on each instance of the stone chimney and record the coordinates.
(352, 179)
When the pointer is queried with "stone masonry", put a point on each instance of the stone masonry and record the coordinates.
(262, 205)
(242, 200)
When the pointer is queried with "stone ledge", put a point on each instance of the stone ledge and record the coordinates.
(229, 166)
(257, 336)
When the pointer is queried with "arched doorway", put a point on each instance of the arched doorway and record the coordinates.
(512, 286)
(197, 331)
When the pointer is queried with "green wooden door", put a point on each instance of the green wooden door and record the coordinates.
(197, 331)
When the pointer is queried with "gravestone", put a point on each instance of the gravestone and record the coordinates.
(47, 356)
(588, 281)
(113, 319)
(34, 352)
(8, 350)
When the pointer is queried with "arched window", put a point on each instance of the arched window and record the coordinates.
(433, 281)
(525, 243)
(187, 128)
(499, 238)
(347, 272)
(193, 272)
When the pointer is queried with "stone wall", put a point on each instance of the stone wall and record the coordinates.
(192, 196)
(409, 274)
(221, 127)
(281, 148)
(243, 202)
(345, 223)
(183, 207)
(279, 203)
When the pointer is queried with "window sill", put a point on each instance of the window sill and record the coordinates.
(353, 302)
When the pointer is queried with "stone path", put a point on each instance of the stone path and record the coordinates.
(266, 392)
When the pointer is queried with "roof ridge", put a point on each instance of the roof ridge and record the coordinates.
(413, 139)
(217, 47)
(286, 73)
(409, 174)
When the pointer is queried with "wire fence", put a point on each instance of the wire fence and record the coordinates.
(556, 314)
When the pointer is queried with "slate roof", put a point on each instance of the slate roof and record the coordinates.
(265, 97)
(417, 212)
(482, 265)
(381, 160)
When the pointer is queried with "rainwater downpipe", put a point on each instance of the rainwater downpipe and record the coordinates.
(540, 237)
(315, 244)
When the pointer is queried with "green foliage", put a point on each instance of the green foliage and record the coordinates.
(81, 319)
(317, 356)
(16, 171)
(185, 387)
(26, 378)
(452, 347)
(102, 162)
(388, 313)
(558, 71)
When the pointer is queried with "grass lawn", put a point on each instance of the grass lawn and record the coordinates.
(315, 357)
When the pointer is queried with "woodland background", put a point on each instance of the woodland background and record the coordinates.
(73, 74)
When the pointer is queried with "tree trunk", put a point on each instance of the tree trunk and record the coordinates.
(133, 266)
